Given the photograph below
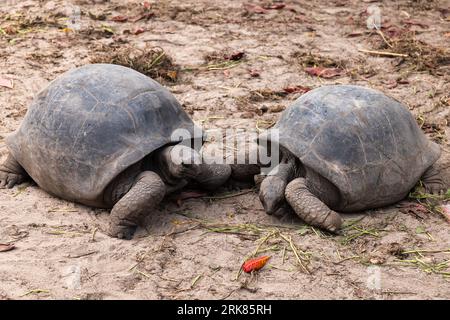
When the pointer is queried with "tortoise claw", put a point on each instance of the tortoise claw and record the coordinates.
(122, 232)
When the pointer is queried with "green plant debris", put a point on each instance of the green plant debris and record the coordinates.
(431, 202)
(356, 232)
(35, 291)
(195, 280)
(151, 61)
(427, 266)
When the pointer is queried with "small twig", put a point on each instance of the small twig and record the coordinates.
(294, 249)
(346, 259)
(35, 291)
(384, 39)
(196, 279)
(82, 254)
(383, 53)
(142, 273)
(62, 210)
(418, 251)
(93, 234)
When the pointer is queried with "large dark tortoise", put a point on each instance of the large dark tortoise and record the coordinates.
(104, 136)
(347, 148)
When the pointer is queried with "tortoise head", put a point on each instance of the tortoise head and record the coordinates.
(180, 162)
(271, 193)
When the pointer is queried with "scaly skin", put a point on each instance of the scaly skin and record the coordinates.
(11, 173)
(176, 165)
(310, 208)
(436, 179)
(146, 193)
(137, 191)
(212, 176)
(272, 189)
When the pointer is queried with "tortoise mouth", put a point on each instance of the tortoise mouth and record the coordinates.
(271, 206)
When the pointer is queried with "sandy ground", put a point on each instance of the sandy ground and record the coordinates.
(194, 248)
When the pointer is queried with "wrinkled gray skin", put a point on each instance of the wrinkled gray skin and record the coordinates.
(101, 135)
(348, 148)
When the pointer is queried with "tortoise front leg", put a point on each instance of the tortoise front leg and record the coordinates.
(11, 173)
(146, 193)
(437, 178)
(272, 188)
(309, 208)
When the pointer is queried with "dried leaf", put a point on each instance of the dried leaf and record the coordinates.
(296, 89)
(253, 8)
(326, 73)
(146, 4)
(138, 31)
(275, 6)
(254, 73)
(6, 83)
(172, 74)
(95, 16)
(6, 247)
(235, 56)
(413, 22)
(445, 210)
(415, 209)
(255, 264)
(119, 18)
(145, 16)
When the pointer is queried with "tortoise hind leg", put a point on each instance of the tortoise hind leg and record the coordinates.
(11, 173)
(310, 208)
(147, 191)
(437, 178)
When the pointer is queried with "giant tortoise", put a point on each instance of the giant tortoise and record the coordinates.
(347, 148)
(104, 135)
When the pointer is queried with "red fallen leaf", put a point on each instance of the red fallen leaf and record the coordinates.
(292, 9)
(413, 22)
(296, 89)
(145, 16)
(235, 56)
(391, 84)
(138, 31)
(6, 83)
(255, 264)
(392, 31)
(445, 210)
(254, 73)
(275, 6)
(355, 34)
(146, 4)
(6, 247)
(254, 8)
(326, 73)
(415, 209)
(119, 18)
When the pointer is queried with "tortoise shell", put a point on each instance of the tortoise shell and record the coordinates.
(364, 142)
(92, 123)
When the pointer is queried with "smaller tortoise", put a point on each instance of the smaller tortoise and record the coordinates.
(103, 135)
(347, 148)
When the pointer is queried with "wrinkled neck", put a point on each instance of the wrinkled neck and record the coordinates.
(287, 169)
